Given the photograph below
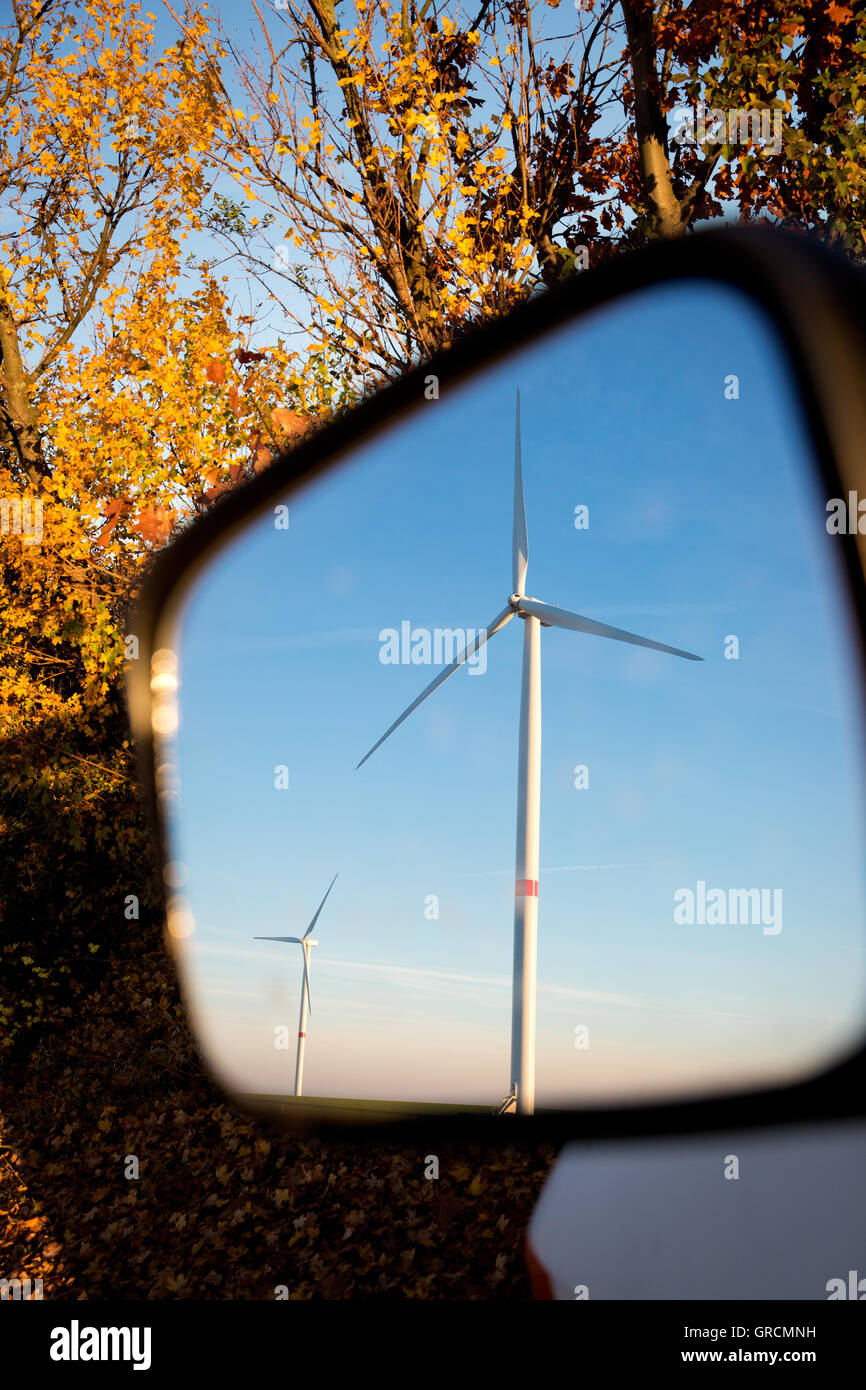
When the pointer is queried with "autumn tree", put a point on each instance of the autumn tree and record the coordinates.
(131, 396)
(806, 65)
(426, 165)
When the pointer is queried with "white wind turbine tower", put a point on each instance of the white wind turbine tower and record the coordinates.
(535, 615)
(305, 943)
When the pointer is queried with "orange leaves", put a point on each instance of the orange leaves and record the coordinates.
(260, 454)
(112, 513)
(281, 427)
(288, 422)
(212, 493)
(215, 371)
(154, 524)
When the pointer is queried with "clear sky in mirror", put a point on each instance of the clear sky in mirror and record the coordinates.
(705, 523)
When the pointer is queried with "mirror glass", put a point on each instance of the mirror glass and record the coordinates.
(680, 840)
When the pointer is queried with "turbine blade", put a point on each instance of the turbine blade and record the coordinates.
(560, 617)
(519, 542)
(498, 622)
(295, 939)
(307, 978)
(319, 908)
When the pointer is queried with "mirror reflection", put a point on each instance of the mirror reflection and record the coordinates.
(520, 757)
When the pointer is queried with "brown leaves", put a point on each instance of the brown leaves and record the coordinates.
(112, 513)
(220, 1206)
(212, 493)
(261, 456)
(154, 524)
(285, 425)
(288, 422)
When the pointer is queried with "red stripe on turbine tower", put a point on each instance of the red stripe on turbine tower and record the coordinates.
(302, 1035)
(526, 888)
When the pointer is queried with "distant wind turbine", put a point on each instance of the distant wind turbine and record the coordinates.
(304, 942)
(535, 615)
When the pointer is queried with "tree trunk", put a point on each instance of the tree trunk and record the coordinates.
(666, 212)
(18, 418)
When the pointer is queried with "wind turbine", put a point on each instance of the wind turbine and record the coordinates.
(305, 943)
(535, 616)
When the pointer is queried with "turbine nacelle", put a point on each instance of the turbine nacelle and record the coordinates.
(304, 941)
(293, 940)
(517, 601)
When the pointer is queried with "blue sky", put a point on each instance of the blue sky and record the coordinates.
(704, 523)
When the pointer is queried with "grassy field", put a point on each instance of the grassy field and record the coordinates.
(361, 1111)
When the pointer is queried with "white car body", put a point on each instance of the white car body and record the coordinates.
(775, 1213)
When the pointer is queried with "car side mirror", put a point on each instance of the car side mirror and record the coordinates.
(650, 480)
